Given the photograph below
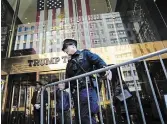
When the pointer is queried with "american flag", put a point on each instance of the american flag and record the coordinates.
(54, 14)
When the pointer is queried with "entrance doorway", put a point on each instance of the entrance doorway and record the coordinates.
(21, 88)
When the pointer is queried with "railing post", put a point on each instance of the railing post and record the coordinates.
(124, 100)
(154, 95)
(42, 106)
(138, 96)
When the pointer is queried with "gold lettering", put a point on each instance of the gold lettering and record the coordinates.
(148, 50)
(141, 49)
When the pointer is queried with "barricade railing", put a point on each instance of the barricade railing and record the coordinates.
(85, 111)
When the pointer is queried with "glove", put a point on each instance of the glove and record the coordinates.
(108, 75)
(37, 106)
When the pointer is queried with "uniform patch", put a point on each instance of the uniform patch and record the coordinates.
(81, 56)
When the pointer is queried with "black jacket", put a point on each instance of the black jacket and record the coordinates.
(87, 60)
(34, 98)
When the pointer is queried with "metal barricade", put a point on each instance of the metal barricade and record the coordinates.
(100, 114)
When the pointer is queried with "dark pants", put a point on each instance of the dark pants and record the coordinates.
(84, 111)
(37, 116)
(121, 113)
(66, 117)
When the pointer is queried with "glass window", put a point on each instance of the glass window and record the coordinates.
(129, 73)
(91, 33)
(96, 41)
(118, 19)
(17, 46)
(20, 29)
(108, 19)
(24, 45)
(121, 32)
(112, 40)
(129, 33)
(26, 29)
(25, 37)
(136, 18)
(110, 25)
(18, 38)
(32, 27)
(104, 39)
(119, 25)
(31, 36)
(112, 33)
(31, 44)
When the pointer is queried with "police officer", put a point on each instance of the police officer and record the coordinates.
(81, 62)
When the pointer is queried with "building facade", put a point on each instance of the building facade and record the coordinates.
(33, 33)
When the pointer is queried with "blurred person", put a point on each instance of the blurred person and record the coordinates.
(62, 94)
(82, 62)
(36, 102)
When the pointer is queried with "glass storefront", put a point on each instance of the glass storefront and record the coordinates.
(94, 24)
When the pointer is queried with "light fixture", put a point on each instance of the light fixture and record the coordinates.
(94, 9)
(25, 18)
(28, 23)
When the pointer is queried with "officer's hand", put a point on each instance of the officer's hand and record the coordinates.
(37, 106)
(108, 75)
(47, 107)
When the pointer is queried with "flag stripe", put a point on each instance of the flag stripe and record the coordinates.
(40, 32)
(53, 46)
(89, 22)
(70, 6)
(79, 8)
(73, 19)
(48, 32)
(87, 7)
(37, 16)
(81, 38)
(53, 17)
